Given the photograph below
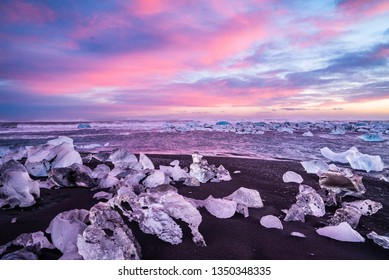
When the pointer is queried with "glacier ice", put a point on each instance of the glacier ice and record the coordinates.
(315, 166)
(219, 207)
(298, 234)
(18, 189)
(146, 162)
(245, 198)
(271, 221)
(308, 202)
(76, 175)
(341, 232)
(292, 177)
(370, 137)
(175, 162)
(308, 134)
(122, 158)
(204, 172)
(102, 195)
(156, 178)
(380, 240)
(356, 159)
(351, 212)
(64, 230)
(107, 237)
(100, 171)
(65, 156)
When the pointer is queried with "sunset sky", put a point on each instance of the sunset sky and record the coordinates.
(188, 59)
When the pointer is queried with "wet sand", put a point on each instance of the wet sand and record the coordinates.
(233, 238)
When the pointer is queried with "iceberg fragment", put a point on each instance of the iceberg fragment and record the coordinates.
(341, 232)
(271, 221)
(219, 207)
(155, 179)
(308, 134)
(76, 175)
(146, 162)
(371, 137)
(122, 158)
(315, 166)
(292, 177)
(297, 234)
(380, 240)
(245, 198)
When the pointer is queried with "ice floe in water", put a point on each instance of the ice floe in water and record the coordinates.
(371, 137)
(341, 232)
(107, 237)
(351, 212)
(271, 221)
(64, 230)
(380, 240)
(356, 159)
(292, 177)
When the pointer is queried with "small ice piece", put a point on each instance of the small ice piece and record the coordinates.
(271, 221)
(108, 182)
(178, 174)
(76, 175)
(356, 159)
(155, 179)
(100, 171)
(102, 195)
(223, 123)
(308, 134)
(351, 212)
(192, 182)
(65, 228)
(66, 156)
(134, 177)
(385, 176)
(219, 207)
(380, 240)
(341, 232)
(196, 157)
(237, 171)
(175, 162)
(201, 171)
(285, 129)
(246, 198)
(102, 156)
(370, 137)
(315, 166)
(298, 234)
(14, 220)
(83, 125)
(122, 158)
(221, 174)
(146, 162)
(292, 177)
(338, 131)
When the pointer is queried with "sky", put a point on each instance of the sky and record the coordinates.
(194, 59)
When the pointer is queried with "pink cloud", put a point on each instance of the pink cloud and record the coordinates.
(22, 12)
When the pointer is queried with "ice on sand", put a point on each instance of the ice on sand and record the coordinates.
(271, 221)
(341, 232)
(292, 177)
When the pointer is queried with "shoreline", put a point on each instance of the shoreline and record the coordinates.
(233, 238)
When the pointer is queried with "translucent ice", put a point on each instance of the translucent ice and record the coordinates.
(308, 134)
(65, 228)
(371, 137)
(219, 207)
(271, 221)
(155, 179)
(293, 177)
(380, 240)
(356, 159)
(315, 166)
(146, 162)
(246, 198)
(122, 158)
(341, 232)
(76, 175)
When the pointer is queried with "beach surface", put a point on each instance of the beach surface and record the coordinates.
(233, 238)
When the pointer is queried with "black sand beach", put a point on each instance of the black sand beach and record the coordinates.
(233, 238)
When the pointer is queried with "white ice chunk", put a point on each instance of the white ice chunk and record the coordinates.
(108, 181)
(122, 158)
(146, 162)
(155, 179)
(356, 159)
(371, 137)
(380, 240)
(341, 232)
(65, 228)
(178, 174)
(66, 156)
(102, 195)
(315, 166)
(100, 171)
(61, 139)
(271, 221)
(298, 234)
(175, 162)
(248, 197)
(293, 177)
(308, 134)
(219, 207)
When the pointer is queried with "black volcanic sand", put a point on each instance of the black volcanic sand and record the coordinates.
(233, 238)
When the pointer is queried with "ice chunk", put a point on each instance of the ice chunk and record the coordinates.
(108, 237)
(100, 171)
(285, 129)
(351, 212)
(219, 207)
(385, 176)
(83, 125)
(356, 159)
(22, 254)
(108, 182)
(237, 171)
(338, 131)
(204, 172)
(371, 137)
(221, 174)
(102, 195)
(76, 175)
(66, 156)
(192, 182)
(14, 220)
(341, 232)
(246, 198)
(156, 210)
(315, 166)
(271, 221)
(297, 234)
(380, 240)
(65, 228)
(38, 160)
(60, 140)
(122, 158)
(308, 134)
(293, 177)
(18, 189)
(223, 123)
(308, 202)
(155, 179)
(134, 177)
(179, 174)
(145, 161)
(175, 162)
